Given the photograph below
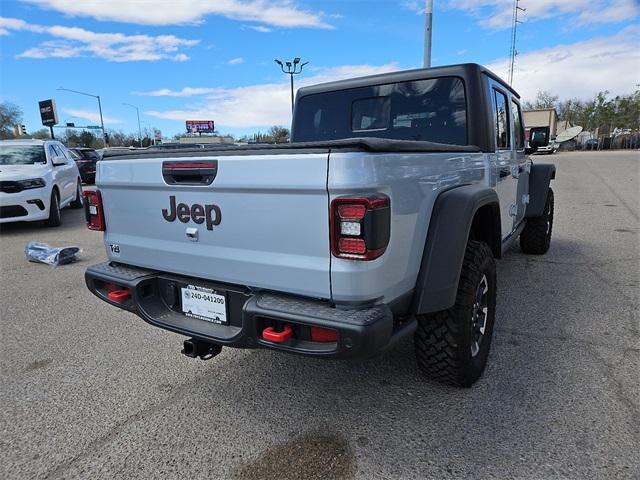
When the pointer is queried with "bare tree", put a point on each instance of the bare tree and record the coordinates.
(544, 99)
(279, 134)
(10, 115)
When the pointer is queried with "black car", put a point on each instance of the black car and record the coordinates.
(86, 159)
(591, 144)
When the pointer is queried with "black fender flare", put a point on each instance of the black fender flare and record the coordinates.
(539, 179)
(448, 233)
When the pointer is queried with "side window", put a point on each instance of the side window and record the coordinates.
(60, 151)
(52, 152)
(517, 125)
(501, 121)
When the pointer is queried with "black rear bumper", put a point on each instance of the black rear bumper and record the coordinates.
(155, 297)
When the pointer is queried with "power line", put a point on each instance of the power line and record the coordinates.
(514, 28)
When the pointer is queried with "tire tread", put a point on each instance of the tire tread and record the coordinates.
(439, 339)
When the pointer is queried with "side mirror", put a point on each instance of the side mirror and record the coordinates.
(538, 137)
(58, 161)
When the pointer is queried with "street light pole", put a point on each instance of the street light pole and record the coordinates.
(104, 136)
(428, 21)
(139, 129)
(293, 68)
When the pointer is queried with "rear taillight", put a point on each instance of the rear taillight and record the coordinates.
(93, 211)
(360, 226)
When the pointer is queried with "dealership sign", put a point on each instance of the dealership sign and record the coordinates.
(48, 112)
(196, 126)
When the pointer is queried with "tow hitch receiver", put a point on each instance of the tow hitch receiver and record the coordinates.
(194, 348)
(270, 335)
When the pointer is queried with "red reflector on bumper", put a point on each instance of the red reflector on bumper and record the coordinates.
(271, 335)
(119, 295)
(319, 334)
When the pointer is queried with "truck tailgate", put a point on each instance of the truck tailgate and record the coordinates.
(273, 229)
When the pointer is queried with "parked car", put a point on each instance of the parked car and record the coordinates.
(550, 148)
(383, 218)
(86, 159)
(37, 179)
(591, 144)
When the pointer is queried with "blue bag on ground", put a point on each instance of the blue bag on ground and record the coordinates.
(44, 253)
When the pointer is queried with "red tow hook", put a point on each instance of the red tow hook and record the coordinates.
(119, 296)
(271, 335)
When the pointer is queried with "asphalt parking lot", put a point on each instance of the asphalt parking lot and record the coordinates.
(89, 391)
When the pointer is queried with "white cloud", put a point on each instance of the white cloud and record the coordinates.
(114, 47)
(279, 13)
(93, 117)
(497, 14)
(236, 61)
(260, 28)
(185, 92)
(413, 5)
(579, 69)
(256, 105)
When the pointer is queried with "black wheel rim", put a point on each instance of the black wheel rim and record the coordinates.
(480, 314)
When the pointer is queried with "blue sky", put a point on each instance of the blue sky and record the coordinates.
(198, 59)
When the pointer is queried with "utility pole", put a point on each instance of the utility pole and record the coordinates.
(428, 21)
(514, 28)
(139, 129)
(293, 68)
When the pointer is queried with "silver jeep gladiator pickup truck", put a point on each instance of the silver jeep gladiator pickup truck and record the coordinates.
(382, 218)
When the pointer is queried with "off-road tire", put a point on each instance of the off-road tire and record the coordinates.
(77, 202)
(536, 235)
(443, 340)
(55, 219)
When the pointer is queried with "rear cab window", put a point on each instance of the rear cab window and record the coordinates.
(432, 110)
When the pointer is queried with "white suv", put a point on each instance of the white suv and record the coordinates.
(37, 179)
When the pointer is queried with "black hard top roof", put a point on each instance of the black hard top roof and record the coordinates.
(463, 70)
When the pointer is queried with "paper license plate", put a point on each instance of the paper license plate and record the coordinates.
(204, 304)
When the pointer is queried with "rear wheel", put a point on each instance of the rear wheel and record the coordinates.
(536, 235)
(452, 346)
(77, 202)
(54, 210)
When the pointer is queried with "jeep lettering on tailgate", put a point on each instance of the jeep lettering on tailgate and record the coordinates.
(196, 212)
